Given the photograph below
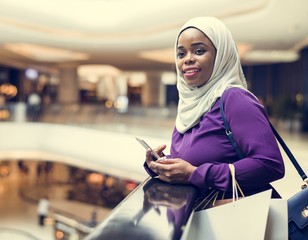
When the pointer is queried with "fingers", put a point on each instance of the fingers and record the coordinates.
(154, 167)
(160, 149)
(148, 153)
(159, 168)
(148, 156)
(173, 170)
(164, 160)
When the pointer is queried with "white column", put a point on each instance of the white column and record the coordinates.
(153, 91)
(68, 91)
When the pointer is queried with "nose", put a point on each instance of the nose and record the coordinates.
(189, 58)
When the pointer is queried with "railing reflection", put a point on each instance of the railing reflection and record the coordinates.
(155, 210)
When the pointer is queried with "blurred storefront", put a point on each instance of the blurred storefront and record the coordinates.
(282, 87)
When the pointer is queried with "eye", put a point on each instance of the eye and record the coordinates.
(199, 51)
(180, 54)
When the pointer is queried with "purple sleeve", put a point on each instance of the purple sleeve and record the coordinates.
(263, 162)
(148, 170)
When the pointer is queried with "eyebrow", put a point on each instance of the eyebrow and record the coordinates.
(194, 44)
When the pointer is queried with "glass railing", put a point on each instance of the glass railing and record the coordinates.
(154, 210)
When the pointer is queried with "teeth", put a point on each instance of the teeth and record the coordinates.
(191, 71)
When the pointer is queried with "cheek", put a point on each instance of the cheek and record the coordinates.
(210, 66)
(212, 69)
(205, 78)
(207, 73)
(213, 63)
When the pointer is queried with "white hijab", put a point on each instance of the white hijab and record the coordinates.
(227, 72)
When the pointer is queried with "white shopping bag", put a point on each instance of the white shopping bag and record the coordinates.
(277, 221)
(244, 219)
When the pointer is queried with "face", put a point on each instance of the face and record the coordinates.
(195, 57)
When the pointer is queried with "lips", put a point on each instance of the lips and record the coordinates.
(190, 72)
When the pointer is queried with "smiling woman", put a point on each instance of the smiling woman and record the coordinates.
(210, 49)
(195, 57)
(209, 73)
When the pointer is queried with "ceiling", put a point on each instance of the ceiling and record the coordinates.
(137, 35)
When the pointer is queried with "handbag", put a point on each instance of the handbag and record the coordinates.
(298, 203)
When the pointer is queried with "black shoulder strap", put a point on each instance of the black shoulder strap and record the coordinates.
(278, 137)
(229, 132)
(289, 153)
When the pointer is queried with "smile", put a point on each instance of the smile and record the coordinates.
(189, 73)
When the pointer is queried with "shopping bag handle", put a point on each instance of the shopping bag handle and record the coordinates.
(211, 197)
(235, 185)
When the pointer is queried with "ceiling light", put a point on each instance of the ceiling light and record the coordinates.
(161, 55)
(243, 49)
(43, 53)
(31, 73)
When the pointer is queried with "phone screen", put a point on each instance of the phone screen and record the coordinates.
(147, 147)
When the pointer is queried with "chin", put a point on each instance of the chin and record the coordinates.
(194, 85)
(191, 83)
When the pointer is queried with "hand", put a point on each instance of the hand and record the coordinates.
(173, 170)
(159, 150)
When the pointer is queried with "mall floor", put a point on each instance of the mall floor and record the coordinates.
(18, 218)
(20, 193)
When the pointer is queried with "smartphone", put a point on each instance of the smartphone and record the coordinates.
(155, 156)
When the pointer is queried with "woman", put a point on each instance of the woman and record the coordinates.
(209, 71)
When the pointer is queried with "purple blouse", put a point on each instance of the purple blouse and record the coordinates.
(207, 146)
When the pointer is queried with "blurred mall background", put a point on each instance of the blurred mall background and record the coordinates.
(97, 68)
